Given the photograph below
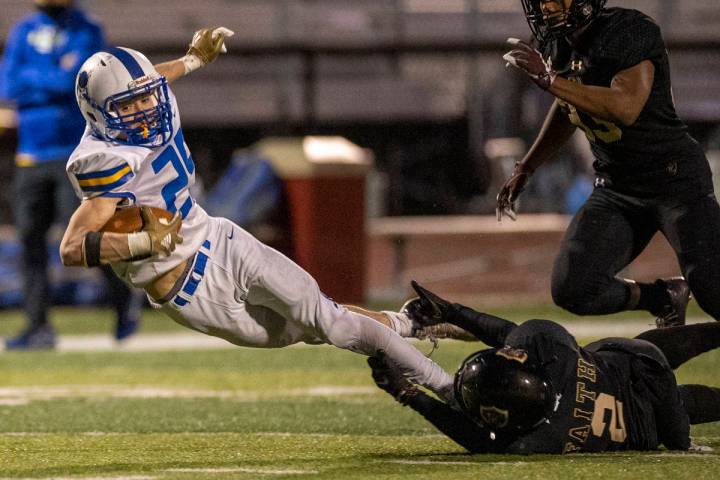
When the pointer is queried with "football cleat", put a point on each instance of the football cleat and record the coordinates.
(427, 308)
(34, 338)
(673, 314)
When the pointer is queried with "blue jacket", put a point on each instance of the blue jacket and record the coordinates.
(41, 59)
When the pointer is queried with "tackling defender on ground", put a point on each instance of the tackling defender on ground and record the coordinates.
(205, 273)
(537, 391)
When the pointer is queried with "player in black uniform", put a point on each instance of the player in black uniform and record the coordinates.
(537, 391)
(609, 71)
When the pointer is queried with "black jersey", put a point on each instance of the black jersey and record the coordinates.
(604, 404)
(611, 392)
(655, 154)
(616, 394)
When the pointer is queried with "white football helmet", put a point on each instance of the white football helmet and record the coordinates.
(114, 77)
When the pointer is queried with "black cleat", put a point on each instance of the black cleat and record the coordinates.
(673, 314)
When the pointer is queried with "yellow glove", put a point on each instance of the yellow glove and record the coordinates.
(207, 44)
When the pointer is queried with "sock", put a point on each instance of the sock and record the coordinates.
(401, 323)
(373, 336)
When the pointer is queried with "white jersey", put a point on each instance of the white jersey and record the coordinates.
(157, 177)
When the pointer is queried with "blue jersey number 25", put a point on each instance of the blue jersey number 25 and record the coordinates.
(184, 166)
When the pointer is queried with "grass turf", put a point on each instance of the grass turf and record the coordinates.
(244, 413)
(73, 320)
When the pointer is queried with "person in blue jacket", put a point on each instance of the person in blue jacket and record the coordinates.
(42, 56)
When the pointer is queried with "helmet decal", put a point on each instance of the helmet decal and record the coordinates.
(497, 418)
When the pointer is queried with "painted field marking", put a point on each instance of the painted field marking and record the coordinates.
(449, 463)
(124, 477)
(260, 471)
(160, 342)
(18, 396)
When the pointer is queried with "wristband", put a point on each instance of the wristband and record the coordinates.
(140, 245)
(91, 249)
(192, 62)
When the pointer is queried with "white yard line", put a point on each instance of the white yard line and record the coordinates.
(17, 396)
(123, 477)
(157, 342)
(259, 471)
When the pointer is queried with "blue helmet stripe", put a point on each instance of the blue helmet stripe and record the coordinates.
(128, 61)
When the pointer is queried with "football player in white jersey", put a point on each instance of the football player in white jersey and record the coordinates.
(210, 275)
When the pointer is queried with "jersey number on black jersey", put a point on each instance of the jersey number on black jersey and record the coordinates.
(595, 129)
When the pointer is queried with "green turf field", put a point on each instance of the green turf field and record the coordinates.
(241, 413)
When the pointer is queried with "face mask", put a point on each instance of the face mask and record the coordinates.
(52, 11)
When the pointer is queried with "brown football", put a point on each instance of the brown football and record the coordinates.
(128, 220)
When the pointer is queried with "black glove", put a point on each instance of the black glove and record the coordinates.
(427, 309)
(387, 377)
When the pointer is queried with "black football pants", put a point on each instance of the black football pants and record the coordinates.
(679, 345)
(612, 229)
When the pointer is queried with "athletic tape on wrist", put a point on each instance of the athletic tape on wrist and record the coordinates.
(192, 63)
(91, 249)
(140, 245)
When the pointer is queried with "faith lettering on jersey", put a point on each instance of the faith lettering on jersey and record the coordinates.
(586, 370)
(577, 436)
(571, 448)
(582, 393)
(580, 434)
(583, 414)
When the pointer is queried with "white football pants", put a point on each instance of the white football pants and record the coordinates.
(251, 295)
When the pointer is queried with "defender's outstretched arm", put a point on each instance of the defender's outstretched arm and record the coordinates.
(448, 420)
(430, 309)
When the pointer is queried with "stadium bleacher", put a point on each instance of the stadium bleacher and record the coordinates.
(369, 60)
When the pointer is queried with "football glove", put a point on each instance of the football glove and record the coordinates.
(427, 308)
(530, 61)
(163, 236)
(387, 377)
(510, 191)
(206, 45)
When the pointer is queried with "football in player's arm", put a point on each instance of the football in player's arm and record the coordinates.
(536, 391)
(609, 72)
(204, 272)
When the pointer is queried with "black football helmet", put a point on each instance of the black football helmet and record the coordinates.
(563, 22)
(498, 390)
